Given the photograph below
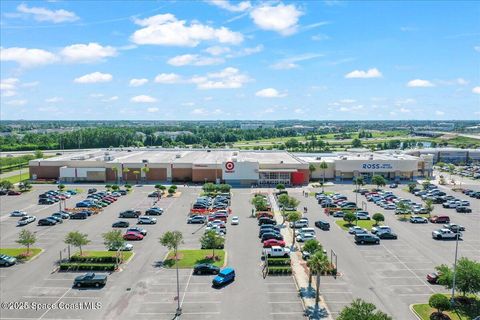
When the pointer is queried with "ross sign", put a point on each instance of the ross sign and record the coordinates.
(229, 165)
(377, 166)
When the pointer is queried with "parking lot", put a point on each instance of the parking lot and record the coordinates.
(142, 289)
(392, 274)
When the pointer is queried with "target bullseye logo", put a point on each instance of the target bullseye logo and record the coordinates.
(229, 165)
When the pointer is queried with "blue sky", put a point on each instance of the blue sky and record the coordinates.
(189, 60)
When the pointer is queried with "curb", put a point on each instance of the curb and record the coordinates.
(413, 311)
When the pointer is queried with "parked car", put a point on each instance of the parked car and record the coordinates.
(443, 234)
(440, 219)
(133, 236)
(323, 225)
(7, 261)
(197, 219)
(387, 235)
(362, 215)
(462, 209)
(13, 193)
(432, 278)
(205, 268)
(357, 230)
(121, 224)
(90, 279)
(61, 215)
(124, 247)
(47, 222)
(146, 220)
(273, 242)
(418, 219)
(224, 276)
(47, 201)
(129, 214)
(155, 211)
(305, 236)
(235, 220)
(58, 219)
(338, 214)
(271, 235)
(140, 230)
(381, 229)
(265, 220)
(26, 220)
(79, 215)
(18, 213)
(366, 239)
(276, 251)
(393, 185)
(454, 227)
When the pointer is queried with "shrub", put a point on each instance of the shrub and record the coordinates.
(278, 261)
(439, 301)
(87, 259)
(128, 186)
(279, 270)
(88, 266)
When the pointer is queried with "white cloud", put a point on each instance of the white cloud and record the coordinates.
(270, 93)
(217, 111)
(194, 60)
(153, 109)
(94, 77)
(419, 83)
(360, 74)
(96, 95)
(320, 37)
(217, 50)
(44, 14)
(165, 29)
(407, 29)
(299, 111)
(188, 104)
(27, 57)
(143, 99)
(110, 99)
(228, 78)
(16, 102)
(347, 101)
(199, 111)
(168, 78)
(54, 99)
(405, 110)
(352, 108)
(439, 113)
(138, 82)
(476, 90)
(461, 81)
(291, 63)
(9, 86)
(225, 4)
(30, 84)
(280, 18)
(87, 53)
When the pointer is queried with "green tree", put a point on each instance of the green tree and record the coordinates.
(115, 187)
(356, 143)
(361, 310)
(77, 239)
(225, 188)
(136, 173)
(293, 216)
(429, 206)
(349, 217)
(209, 187)
(467, 278)
(108, 187)
(404, 208)
(311, 246)
(211, 240)
(311, 168)
(260, 203)
(125, 172)
(115, 171)
(172, 240)
(26, 238)
(61, 187)
(171, 191)
(38, 154)
(439, 301)
(378, 217)
(145, 171)
(379, 181)
(411, 186)
(318, 264)
(7, 185)
(426, 184)
(24, 186)
(280, 186)
(358, 181)
(323, 166)
(114, 239)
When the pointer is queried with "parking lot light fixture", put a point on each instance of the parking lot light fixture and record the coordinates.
(452, 300)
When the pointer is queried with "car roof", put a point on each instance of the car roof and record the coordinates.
(227, 270)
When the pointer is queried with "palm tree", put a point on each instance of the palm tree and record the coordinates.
(429, 207)
(312, 169)
(323, 166)
(318, 264)
(125, 173)
(405, 208)
(136, 173)
(115, 171)
(145, 170)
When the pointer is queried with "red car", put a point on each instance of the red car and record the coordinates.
(432, 277)
(13, 193)
(133, 236)
(440, 219)
(273, 242)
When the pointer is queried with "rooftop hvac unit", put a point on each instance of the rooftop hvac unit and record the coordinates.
(358, 155)
(108, 158)
(235, 153)
(144, 161)
(178, 156)
(90, 155)
(344, 158)
(234, 159)
(281, 161)
(318, 158)
(107, 153)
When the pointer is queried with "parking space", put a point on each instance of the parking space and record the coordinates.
(392, 274)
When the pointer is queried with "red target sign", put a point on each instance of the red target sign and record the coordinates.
(229, 165)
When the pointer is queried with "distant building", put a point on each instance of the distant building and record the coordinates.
(256, 125)
(301, 128)
(172, 134)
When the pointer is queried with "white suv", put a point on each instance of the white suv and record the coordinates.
(381, 229)
(146, 220)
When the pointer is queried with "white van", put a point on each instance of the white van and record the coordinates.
(304, 231)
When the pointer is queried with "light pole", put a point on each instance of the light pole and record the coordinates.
(179, 310)
(452, 300)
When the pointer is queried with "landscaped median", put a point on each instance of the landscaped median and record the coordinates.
(279, 266)
(187, 259)
(467, 310)
(367, 224)
(96, 260)
(21, 253)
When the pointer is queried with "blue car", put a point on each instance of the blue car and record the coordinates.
(225, 276)
(82, 205)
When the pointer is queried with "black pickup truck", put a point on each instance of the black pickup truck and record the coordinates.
(90, 279)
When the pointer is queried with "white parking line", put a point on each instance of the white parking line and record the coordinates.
(191, 302)
(53, 297)
(298, 301)
(55, 303)
(188, 282)
(409, 285)
(296, 292)
(294, 312)
(193, 313)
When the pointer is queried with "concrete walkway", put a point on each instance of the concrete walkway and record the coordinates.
(300, 272)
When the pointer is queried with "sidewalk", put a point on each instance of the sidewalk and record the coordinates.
(300, 272)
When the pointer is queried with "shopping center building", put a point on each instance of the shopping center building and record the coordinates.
(235, 167)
